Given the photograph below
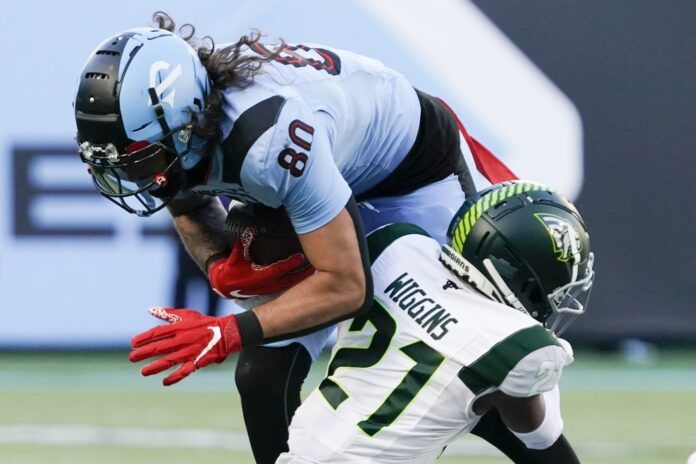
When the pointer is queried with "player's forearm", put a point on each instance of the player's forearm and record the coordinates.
(323, 298)
(341, 287)
(200, 228)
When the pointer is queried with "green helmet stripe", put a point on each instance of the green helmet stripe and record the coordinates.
(466, 223)
(456, 233)
(476, 210)
(472, 217)
(457, 241)
(461, 230)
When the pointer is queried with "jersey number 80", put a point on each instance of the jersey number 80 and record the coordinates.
(301, 135)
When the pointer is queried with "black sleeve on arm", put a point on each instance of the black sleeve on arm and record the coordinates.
(560, 451)
(352, 208)
(189, 204)
(492, 429)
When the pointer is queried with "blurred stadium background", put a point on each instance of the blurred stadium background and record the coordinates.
(594, 98)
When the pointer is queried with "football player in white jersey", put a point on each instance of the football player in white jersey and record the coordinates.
(165, 121)
(455, 331)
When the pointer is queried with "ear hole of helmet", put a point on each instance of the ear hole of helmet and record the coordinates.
(527, 287)
(512, 256)
(532, 291)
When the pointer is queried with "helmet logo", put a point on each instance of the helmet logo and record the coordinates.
(161, 180)
(165, 83)
(564, 236)
(88, 150)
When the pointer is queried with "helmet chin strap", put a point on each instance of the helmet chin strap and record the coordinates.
(496, 290)
(159, 111)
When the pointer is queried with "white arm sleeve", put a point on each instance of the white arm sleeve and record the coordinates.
(551, 427)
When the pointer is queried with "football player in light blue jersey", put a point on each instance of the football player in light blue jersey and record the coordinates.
(165, 121)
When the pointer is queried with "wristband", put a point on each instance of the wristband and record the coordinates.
(250, 330)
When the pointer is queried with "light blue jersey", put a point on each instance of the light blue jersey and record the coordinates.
(317, 125)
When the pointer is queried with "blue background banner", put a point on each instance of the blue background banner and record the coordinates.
(77, 271)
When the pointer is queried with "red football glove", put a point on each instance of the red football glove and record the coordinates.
(238, 277)
(190, 339)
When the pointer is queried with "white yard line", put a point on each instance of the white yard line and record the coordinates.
(158, 437)
(139, 437)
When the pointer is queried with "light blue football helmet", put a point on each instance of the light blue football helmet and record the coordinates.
(134, 108)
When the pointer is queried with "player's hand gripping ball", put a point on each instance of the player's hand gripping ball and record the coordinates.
(189, 339)
(266, 257)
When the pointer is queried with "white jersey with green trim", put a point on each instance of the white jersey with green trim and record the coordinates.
(403, 377)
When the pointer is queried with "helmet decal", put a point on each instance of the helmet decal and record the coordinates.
(165, 83)
(497, 194)
(564, 237)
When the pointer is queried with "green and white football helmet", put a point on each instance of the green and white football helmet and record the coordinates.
(524, 245)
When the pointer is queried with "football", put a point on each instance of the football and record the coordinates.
(275, 238)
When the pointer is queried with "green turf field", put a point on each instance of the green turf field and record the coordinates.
(67, 408)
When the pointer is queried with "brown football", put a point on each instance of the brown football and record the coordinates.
(275, 237)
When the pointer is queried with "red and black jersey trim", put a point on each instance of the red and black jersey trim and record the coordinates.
(435, 154)
(248, 127)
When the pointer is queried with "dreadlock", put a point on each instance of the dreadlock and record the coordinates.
(227, 67)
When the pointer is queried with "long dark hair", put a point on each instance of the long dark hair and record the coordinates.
(227, 67)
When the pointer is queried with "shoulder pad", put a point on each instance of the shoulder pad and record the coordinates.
(536, 373)
(497, 364)
(379, 239)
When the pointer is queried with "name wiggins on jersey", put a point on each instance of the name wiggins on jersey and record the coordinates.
(424, 310)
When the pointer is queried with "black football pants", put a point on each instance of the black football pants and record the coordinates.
(269, 381)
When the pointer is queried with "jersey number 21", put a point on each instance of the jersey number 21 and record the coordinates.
(427, 361)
